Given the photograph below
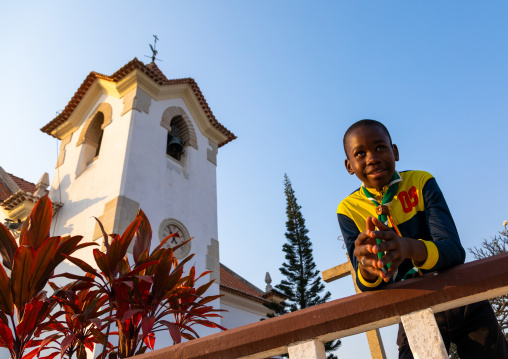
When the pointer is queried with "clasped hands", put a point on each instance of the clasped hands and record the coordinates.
(397, 249)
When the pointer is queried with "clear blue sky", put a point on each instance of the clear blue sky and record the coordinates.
(288, 78)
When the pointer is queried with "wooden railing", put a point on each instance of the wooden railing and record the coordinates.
(302, 333)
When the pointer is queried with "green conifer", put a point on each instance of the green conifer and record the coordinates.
(302, 284)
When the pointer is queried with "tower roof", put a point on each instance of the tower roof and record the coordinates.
(154, 73)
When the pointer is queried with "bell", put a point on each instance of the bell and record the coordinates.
(175, 146)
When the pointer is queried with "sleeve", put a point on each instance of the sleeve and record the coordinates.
(350, 232)
(445, 249)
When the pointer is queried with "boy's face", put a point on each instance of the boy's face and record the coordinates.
(371, 156)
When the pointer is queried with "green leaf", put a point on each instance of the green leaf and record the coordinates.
(8, 246)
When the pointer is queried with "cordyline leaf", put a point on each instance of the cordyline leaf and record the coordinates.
(150, 341)
(22, 271)
(118, 251)
(50, 356)
(6, 338)
(84, 245)
(130, 313)
(143, 267)
(173, 280)
(196, 335)
(162, 274)
(31, 354)
(102, 262)
(85, 267)
(145, 278)
(104, 234)
(67, 246)
(201, 290)
(209, 324)
(98, 336)
(38, 224)
(28, 321)
(6, 303)
(173, 330)
(123, 265)
(143, 236)
(43, 257)
(147, 325)
(8, 246)
(75, 277)
(97, 322)
(67, 342)
(209, 299)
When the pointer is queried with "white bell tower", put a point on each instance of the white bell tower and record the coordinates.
(138, 140)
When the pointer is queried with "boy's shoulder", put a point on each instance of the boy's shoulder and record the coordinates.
(357, 199)
(415, 176)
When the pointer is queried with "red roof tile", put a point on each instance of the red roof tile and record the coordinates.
(152, 71)
(24, 185)
(4, 192)
(230, 281)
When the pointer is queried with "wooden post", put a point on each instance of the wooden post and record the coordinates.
(377, 351)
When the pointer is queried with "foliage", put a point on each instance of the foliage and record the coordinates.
(302, 283)
(491, 247)
(138, 298)
(24, 307)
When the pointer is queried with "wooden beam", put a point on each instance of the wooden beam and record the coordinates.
(461, 285)
(337, 272)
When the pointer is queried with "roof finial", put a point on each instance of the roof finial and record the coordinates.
(268, 280)
(154, 51)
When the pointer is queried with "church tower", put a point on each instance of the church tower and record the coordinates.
(136, 139)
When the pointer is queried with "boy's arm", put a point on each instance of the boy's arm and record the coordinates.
(442, 230)
(441, 251)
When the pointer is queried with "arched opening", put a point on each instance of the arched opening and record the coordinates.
(91, 141)
(177, 138)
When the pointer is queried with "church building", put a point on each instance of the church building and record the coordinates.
(137, 140)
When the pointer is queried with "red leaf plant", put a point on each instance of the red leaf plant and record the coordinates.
(24, 307)
(140, 298)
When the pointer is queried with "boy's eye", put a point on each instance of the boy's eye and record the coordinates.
(360, 154)
(380, 147)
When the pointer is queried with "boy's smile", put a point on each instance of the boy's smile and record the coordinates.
(371, 156)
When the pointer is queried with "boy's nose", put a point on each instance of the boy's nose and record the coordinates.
(372, 158)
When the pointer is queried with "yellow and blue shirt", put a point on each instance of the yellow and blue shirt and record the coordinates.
(418, 211)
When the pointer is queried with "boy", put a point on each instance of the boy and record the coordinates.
(417, 232)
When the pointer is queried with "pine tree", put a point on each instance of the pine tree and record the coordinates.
(302, 284)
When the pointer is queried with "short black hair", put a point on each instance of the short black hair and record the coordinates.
(364, 123)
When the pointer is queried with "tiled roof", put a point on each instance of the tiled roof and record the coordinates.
(22, 184)
(4, 192)
(232, 282)
(152, 71)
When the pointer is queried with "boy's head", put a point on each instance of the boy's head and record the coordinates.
(370, 154)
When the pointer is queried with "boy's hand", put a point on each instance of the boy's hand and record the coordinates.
(397, 249)
(367, 259)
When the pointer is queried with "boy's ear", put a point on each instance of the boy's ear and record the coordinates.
(348, 167)
(395, 152)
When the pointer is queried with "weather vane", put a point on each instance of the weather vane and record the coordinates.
(154, 51)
